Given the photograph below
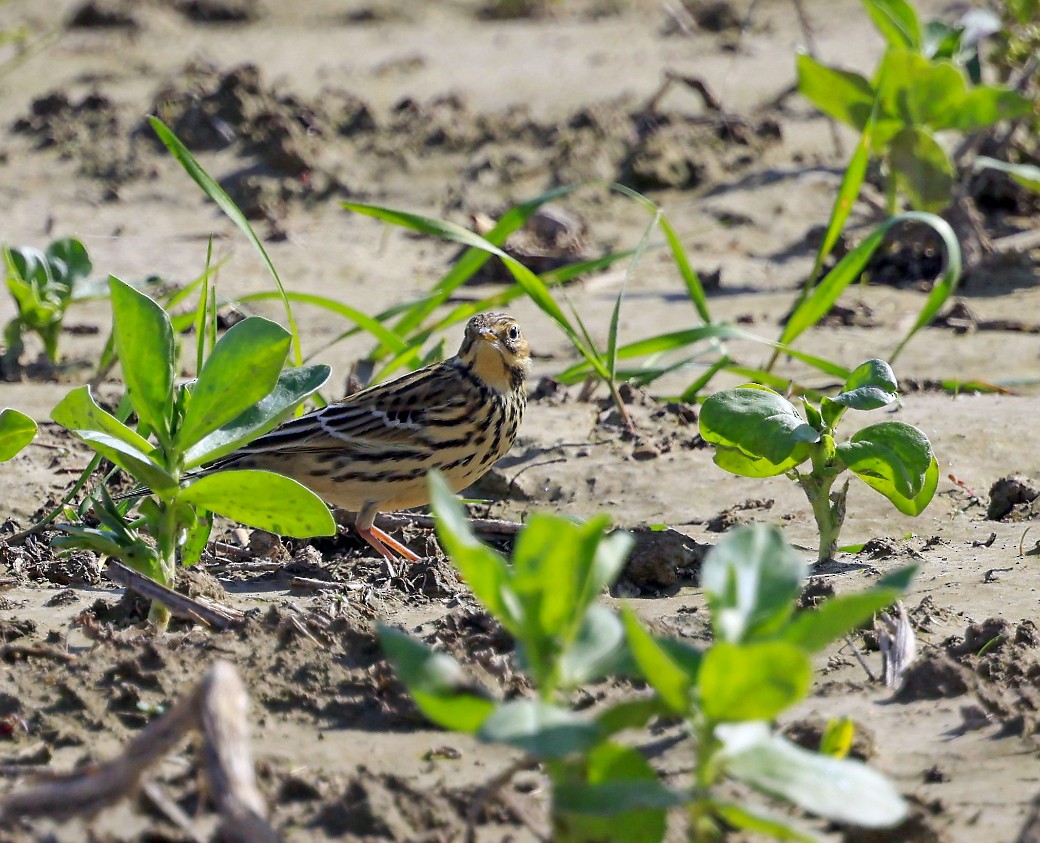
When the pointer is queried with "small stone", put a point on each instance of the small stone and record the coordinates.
(645, 451)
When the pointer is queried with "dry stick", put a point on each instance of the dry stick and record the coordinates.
(859, 657)
(219, 617)
(486, 793)
(217, 706)
(488, 526)
(810, 42)
(162, 802)
(9, 652)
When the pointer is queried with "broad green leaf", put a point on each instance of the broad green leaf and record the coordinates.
(757, 432)
(242, 369)
(761, 822)
(753, 681)
(132, 551)
(630, 714)
(837, 737)
(292, 387)
(144, 341)
(621, 799)
(436, 682)
(666, 675)
(870, 386)
(215, 192)
(483, 569)
(79, 411)
(132, 460)
(895, 459)
(814, 629)
(16, 431)
(71, 256)
(594, 651)
(839, 789)
(983, 106)
(196, 538)
(540, 729)
(751, 579)
(841, 94)
(897, 21)
(936, 89)
(1026, 175)
(262, 499)
(922, 169)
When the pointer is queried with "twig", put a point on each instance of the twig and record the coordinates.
(486, 793)
(859, 657)
(217, 706)
(42, 651)
(219, 617)
(528, 467)
(171, 810)
(488, 526)
(324, 585)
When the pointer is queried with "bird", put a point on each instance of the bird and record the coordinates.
(371, 452)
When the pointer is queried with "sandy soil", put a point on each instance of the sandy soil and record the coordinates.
(435, 109)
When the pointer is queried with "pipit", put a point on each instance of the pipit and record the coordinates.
(371, 452)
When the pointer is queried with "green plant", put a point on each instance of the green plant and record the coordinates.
(602, 788)
(757, 666)
(241, 392)
(16, 431)
(759, 433)
(916, 92)
(43, 285)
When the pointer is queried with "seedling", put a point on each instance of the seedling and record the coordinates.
(240, 393)
(759, 433)
(917, 91)
(43, 284)
(757, 667)
(603, 789)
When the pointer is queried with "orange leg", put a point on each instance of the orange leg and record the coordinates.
(383, 544)
(386, 545)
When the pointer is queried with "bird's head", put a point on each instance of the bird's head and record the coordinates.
(495, 350)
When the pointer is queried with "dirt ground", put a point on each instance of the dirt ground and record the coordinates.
(445, 110)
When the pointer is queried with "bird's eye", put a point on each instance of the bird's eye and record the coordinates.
(514, 332)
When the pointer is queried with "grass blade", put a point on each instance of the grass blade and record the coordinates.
(694, 287)
(531, 283)
(215, 192)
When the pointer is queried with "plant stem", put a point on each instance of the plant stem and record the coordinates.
(167, 531)
(829, 512)
(702, 825)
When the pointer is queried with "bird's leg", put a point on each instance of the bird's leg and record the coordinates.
(383, 544)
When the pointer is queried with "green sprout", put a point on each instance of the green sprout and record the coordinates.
(759, 433)
(604, 788)
(43, 285)
(918, 90)
(241, 392)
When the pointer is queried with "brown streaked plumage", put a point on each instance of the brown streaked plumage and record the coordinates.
(371, 451)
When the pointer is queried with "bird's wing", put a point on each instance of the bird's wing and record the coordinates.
(389, 417)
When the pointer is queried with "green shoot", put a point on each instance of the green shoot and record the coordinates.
(43, 285)
(728, 693)
(759, 433)
(241, 392)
